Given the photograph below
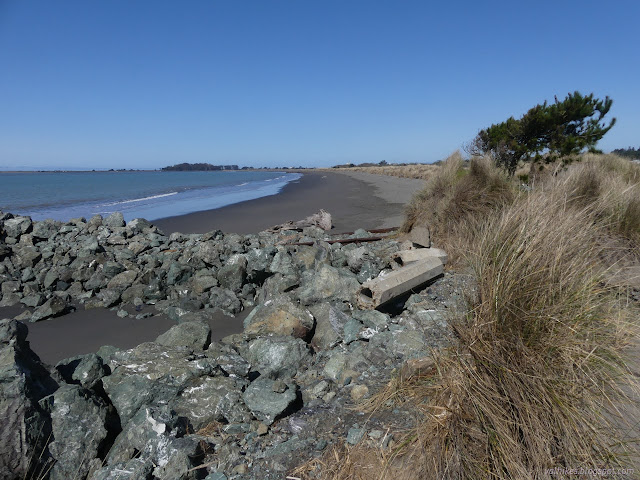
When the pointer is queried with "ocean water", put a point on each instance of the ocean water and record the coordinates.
(150, 195)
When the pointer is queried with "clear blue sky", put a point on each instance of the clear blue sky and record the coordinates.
(144, 84)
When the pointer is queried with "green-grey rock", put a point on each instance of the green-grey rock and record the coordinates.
(79, 425)
(191, 335)
(264, 403)
(277, 356)
(207, 399)
(51, 308)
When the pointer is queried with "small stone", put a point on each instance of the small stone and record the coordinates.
(355, 435)
(376, 434)
(240, 469)
(358, 392)
(279, 386)
(122, 313)
(262, 429)
(320, 445)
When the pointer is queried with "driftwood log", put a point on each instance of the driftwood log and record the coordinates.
(322, 219)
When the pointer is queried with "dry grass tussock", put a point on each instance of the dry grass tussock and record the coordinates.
(456, 196)
(537, 378)
(419, 171)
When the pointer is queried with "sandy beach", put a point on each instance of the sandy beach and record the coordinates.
(355, 200)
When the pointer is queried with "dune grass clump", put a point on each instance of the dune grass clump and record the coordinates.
(532, 382)
(455, 195)
(536, 379)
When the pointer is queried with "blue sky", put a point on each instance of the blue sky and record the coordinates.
(144, 84)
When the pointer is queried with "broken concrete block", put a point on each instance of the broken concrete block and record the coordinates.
(404, 257)
(384, 288)
(419, 235)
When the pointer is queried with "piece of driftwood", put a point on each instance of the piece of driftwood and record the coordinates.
(322, 219)
(375, 230)
(379, 291)
(341, 240)
(404, 257)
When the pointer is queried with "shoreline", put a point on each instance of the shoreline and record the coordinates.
(354, 200)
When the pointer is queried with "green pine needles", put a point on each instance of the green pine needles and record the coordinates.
(546, 132)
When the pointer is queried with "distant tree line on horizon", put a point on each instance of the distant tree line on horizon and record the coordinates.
(198, 167)
(633, 153)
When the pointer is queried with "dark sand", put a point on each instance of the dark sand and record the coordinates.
(352, 202)
(85, 331)
(355, 200)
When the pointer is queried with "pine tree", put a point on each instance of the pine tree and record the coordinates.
(546, 132)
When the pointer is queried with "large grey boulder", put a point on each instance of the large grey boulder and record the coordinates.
(327, 284)
(122, 281)
(207, 399)
(191, 335)
(150, 373)
(53, 307)
(156, 435)
(115, 220)
(80, 424)
(280, 316)
(330, 322)
(267, 400)
(85, 370)
(14, 227)
(401, 343)
(233, 274)
(25, 425)
(277, 356)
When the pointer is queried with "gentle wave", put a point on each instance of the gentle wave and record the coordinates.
(152, 197)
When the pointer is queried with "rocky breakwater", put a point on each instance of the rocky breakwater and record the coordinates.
(182, 407)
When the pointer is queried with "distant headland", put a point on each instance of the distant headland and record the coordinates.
(198, 167)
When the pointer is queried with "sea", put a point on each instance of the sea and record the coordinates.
(137, 194)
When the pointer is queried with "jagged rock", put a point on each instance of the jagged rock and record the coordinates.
(134, 469)
(401, 343)
(328, 283)
(109, 297)
(85, 370)
(14, 227)
(283, 263)
(27, 256)
(207, 399)
(178, 273)
(139, 377)
(372, 319)
(80, 425)
(123, 280)
(233, 274)
(203, 283)
(228, 359)
(277, 356)
(330, 322)
(209, 253)
(258, 263)
(276, 285)
(156, 436)
(280, 317)
(45, 229)
(51, 308)
(191, 335)
(139, 225)
(115, 220)
(25, 425)
(225, 300)
(265, 403)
